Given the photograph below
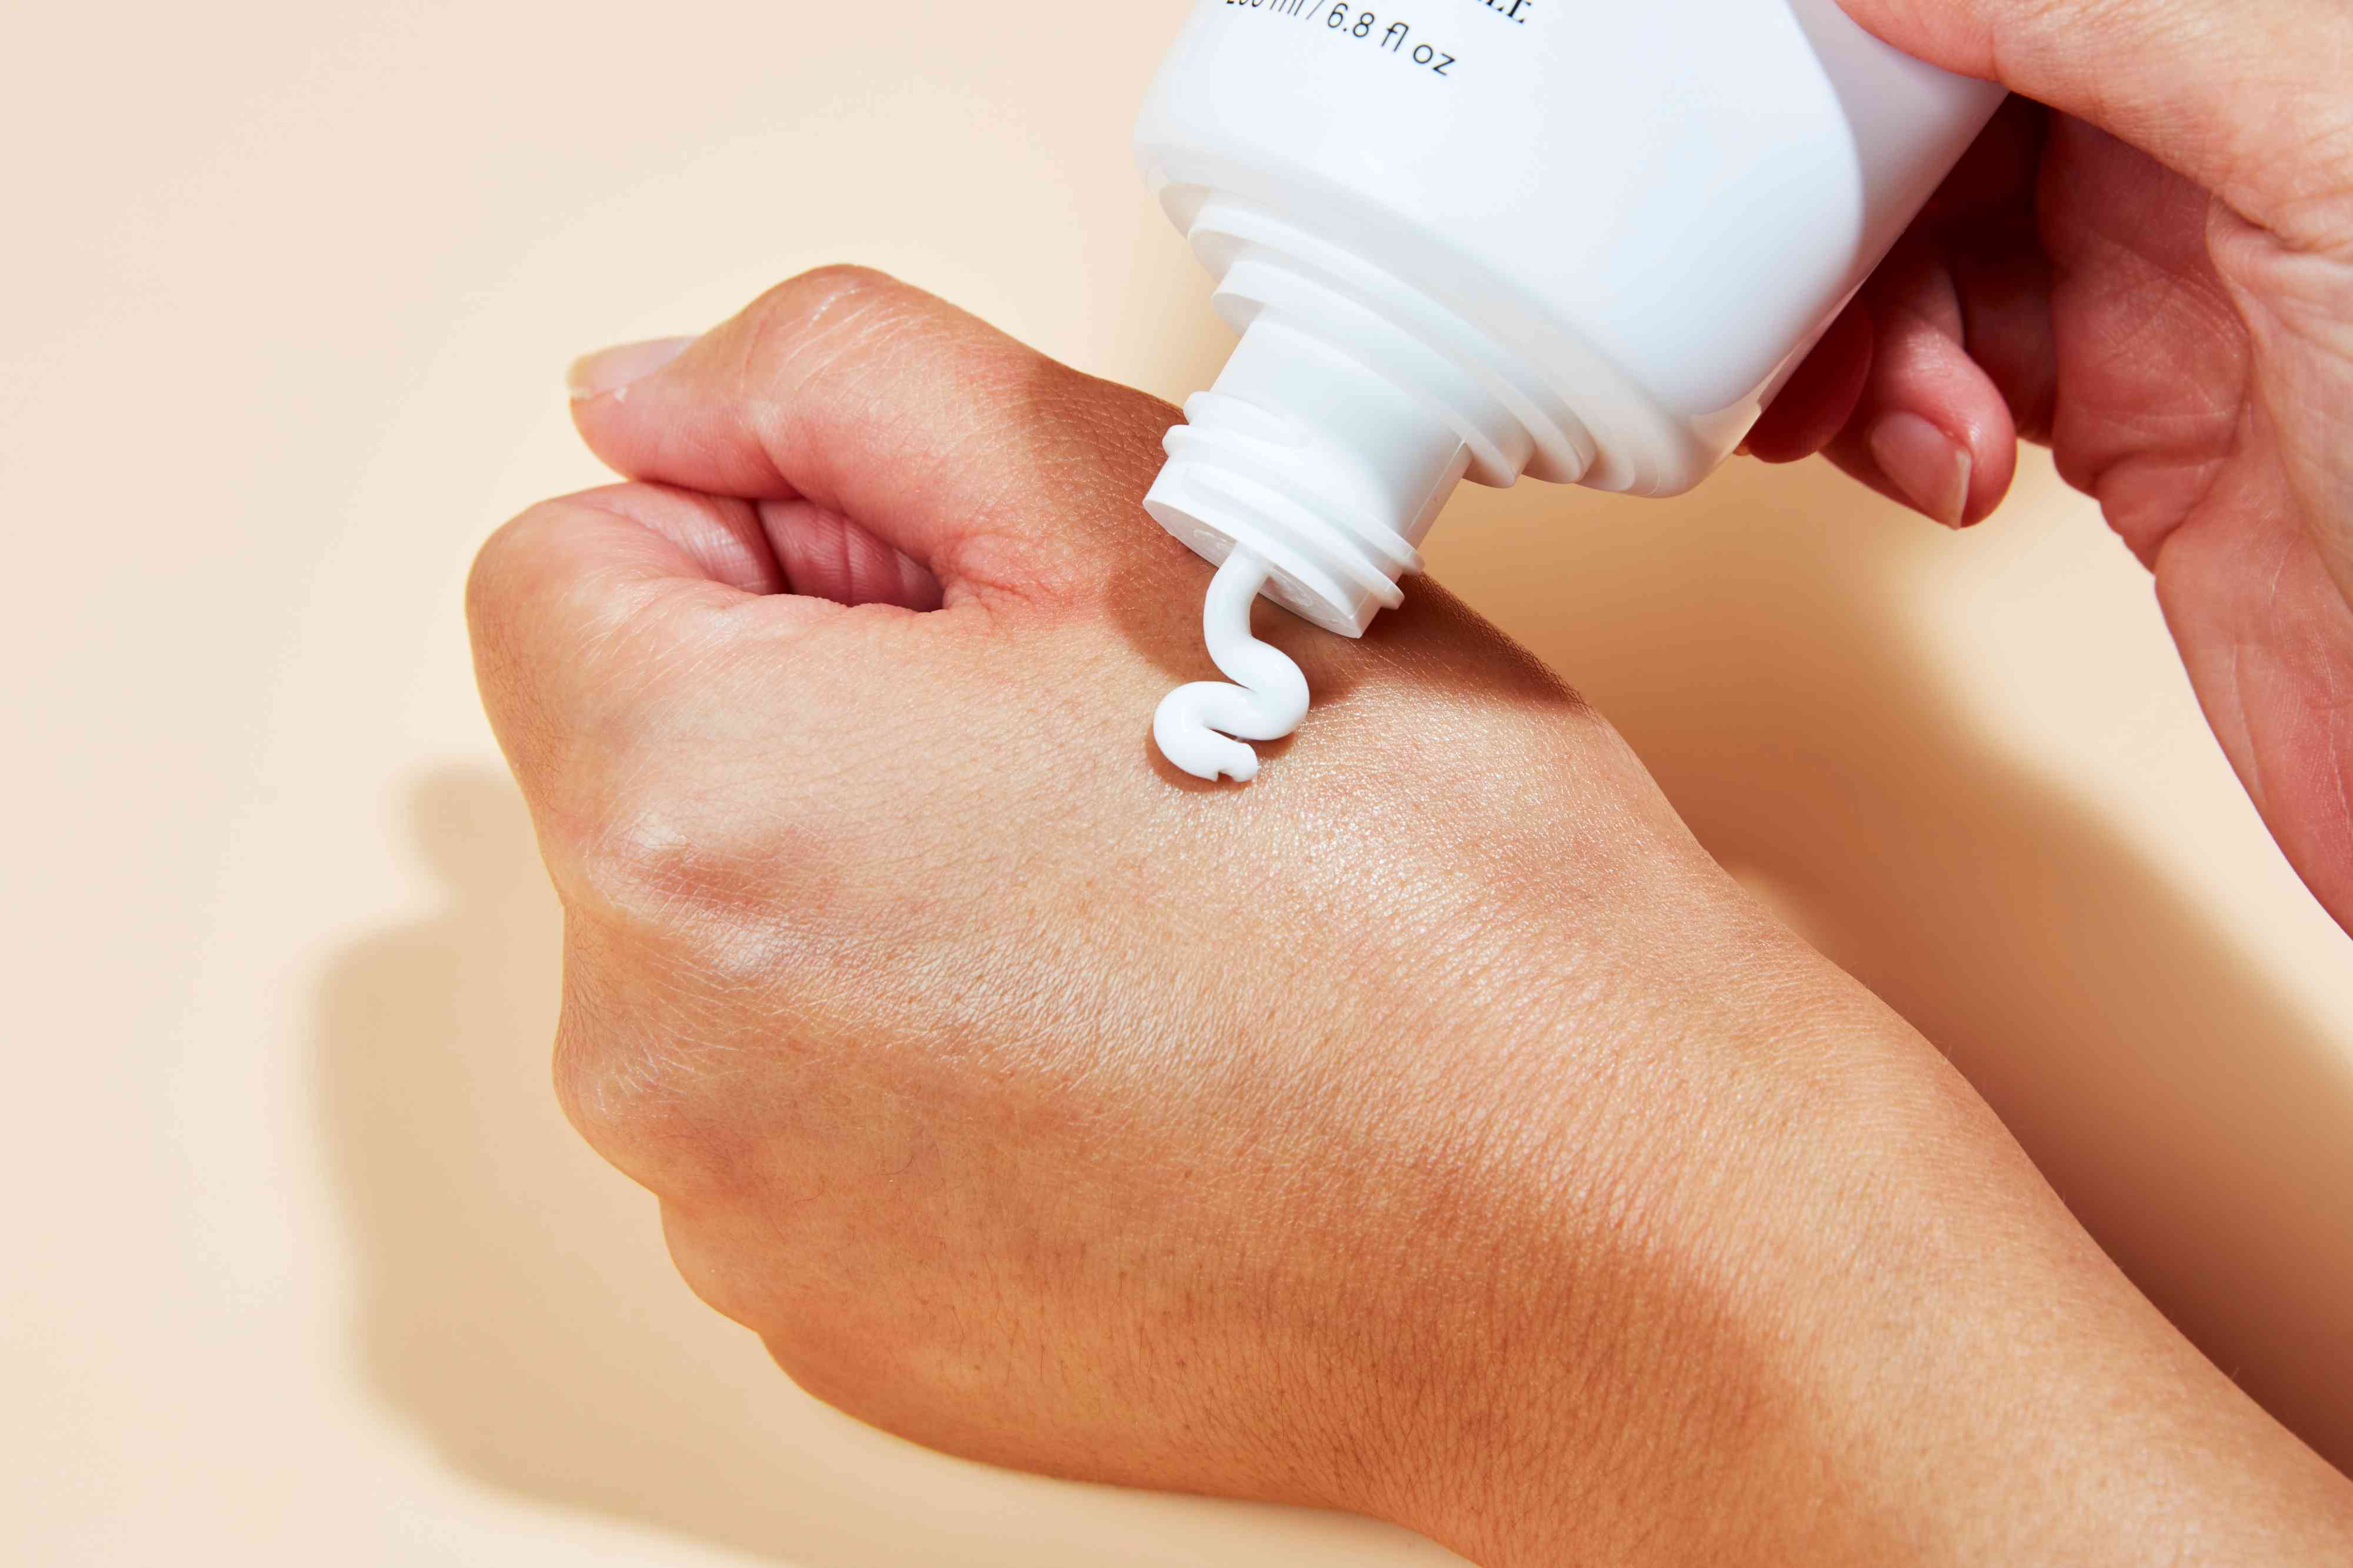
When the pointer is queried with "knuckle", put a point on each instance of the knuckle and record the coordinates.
(665, 820)
(716, 1267)
(583, 1070)
(694, 962)
(685, 864)
(821, 287)
(648, 1092)
(528, 571)
(787, 321)
(825, 333)
(494, 586)
(640, 871)
(837, 1355)
(507, 573)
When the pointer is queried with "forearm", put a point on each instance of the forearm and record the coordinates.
(1852, 1324)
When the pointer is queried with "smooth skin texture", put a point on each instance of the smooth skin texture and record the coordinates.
(1431, 1129)
(2155, 275)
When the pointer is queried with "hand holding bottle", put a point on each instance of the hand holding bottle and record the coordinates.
(2153, 275)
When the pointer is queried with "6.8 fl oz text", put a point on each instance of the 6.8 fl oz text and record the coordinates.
(1397, 38)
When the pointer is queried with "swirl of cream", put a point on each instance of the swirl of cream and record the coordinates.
(1267, 701)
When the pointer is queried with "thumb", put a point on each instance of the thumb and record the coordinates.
(879, 413)
(2250, 100)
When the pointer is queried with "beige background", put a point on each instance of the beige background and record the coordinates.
(299, 1260)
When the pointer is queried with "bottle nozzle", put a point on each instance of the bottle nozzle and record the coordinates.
(1326, 471)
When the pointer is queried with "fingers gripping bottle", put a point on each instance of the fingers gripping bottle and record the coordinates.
(1482, 238)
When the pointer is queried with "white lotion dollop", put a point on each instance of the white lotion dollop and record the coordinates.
(1267, 701)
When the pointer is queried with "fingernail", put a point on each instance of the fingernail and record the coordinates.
(1930, 467)
(615, 370)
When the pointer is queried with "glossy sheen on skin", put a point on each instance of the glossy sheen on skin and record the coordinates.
(1267, 701)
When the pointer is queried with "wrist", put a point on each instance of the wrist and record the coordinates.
(1823, 1311)
(1677, 1288)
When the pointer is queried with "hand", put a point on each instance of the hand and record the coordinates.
(1430, 1130)
(2155, 277)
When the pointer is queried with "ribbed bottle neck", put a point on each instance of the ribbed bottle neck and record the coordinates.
(1351, 410)
(1324, 467)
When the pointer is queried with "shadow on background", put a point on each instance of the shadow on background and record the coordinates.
(516, 1306)
(494, 1314)
(1758, 645)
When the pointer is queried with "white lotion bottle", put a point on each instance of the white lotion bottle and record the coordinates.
(1482, 238)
